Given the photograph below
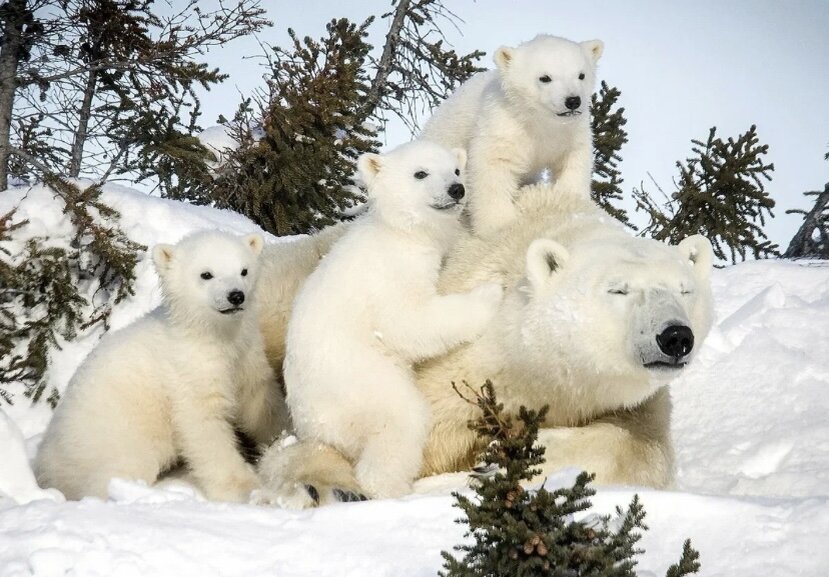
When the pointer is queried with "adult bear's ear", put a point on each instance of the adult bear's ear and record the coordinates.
(255, 242)
(594, 48)
(544, 257)
(697, 249)
(368, 165)
(460, 157)
(163, 255)
(503, 57)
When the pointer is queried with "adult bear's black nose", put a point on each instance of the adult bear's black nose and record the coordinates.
(572, 102)
(456, 191)
(236, 297)
(676, 341)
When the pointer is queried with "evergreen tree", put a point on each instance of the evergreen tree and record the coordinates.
(721, 195)
(296, 178)
(87, 73)
(325, 101)
(609, 136)
(417, 70)
(533, 532)
(55, 288)
(812, 238)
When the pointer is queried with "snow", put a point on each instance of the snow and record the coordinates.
(218, 140)
(750, 428)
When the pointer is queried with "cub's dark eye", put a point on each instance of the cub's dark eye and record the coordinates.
(457, 172)
(581, 76)
(244, 272)
(545, 79)
(207, 275)
(421, 174)
(618, 290)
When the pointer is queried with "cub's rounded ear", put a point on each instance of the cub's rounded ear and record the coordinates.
(594, 48)
(544, 257)
(368, 165)
(460, 157)
(255, 242)
(503, 57)
(163, 255)
(697, 249)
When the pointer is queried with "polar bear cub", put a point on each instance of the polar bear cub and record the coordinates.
(371, 309)
(530, 114)
(169, 386)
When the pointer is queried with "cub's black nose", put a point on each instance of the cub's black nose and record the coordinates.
(236, 298)
(676, 341)
(572, 102)
(456, 191)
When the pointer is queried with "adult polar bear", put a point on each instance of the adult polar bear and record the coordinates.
(594, 323)
(530, 114)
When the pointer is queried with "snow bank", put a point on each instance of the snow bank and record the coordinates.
(750, 427)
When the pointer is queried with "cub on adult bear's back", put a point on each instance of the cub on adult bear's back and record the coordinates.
(531, 114)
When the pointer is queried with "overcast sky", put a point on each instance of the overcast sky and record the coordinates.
(682, 67)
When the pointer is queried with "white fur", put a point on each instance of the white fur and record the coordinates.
(566, 337)
(371, 309)
(511, 124)
(560, 338)
(170, 385)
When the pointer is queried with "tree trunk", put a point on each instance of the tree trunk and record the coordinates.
(14, 18)
(378, 83)
(83, 124)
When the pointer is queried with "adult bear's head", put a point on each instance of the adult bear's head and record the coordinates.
(618, 318)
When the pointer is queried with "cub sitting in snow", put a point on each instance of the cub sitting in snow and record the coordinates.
(531, 114)
(169, 386)
(371, 309)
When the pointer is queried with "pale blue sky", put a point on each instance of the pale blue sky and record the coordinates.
(682, 67)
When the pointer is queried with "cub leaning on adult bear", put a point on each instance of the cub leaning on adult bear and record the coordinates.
(594, 323)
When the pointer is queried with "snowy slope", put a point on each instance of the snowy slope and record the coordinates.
(750, 427)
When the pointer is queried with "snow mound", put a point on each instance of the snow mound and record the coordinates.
(750, 416)
(17, 482)
(750, 431)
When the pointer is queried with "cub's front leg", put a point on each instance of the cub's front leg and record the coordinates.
(499, 159)
(442, 322)
(574, 169)
(201, 416)
(260, 408)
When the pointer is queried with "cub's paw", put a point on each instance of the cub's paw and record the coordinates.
(297, 496)
(489, 293)
(233, 488)
(486, 298)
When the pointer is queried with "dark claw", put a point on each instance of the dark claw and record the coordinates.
(348, 496)
(312, 491)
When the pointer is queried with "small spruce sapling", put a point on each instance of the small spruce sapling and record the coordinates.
(527, 532)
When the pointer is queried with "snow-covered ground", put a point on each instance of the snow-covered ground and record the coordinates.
(751, 428)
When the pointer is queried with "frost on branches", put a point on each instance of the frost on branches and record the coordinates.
(526, 532)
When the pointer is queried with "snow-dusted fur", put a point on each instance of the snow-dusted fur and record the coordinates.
(170, 386)
(584, 306)
(531, 114)
(371, 309)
